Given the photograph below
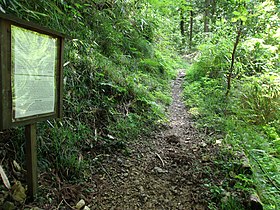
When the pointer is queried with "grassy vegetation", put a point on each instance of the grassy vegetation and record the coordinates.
(248, 118)
(118, 64)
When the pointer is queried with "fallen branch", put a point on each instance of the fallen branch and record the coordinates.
(67, 203)
(160, 159)
(58, 207)
(107, 174)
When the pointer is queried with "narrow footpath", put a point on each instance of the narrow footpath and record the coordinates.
(169, 170)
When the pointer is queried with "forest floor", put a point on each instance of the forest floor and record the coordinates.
(167, 170)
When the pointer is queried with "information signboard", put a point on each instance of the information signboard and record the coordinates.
(31, 72)
(34, 59)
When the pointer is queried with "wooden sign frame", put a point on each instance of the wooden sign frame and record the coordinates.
(7, 108)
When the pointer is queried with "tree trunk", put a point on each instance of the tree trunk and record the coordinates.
(213, 11)
(182, 25)
(229, 76)
(191, 28)
(206, 16)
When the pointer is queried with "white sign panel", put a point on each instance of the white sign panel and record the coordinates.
(34, 64)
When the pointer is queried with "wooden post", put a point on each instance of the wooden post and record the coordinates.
(31, 160)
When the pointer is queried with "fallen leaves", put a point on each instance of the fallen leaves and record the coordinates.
(16, 166)
(18, 192)
(13, 198)
(5, 178)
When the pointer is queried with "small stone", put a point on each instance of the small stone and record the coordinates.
(141, 188)
(219, 141)
(86, 208)
(160, 170)
(111, 137)
(182, 74)
(195, 149)
(80, 204)
(125, 174)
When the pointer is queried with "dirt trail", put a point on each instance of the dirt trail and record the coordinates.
(167, 171)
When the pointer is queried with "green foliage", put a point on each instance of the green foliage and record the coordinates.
(210, 101)
(263, 155)
(249, 117)
(259, 98)
(64, 149)
(118, 64)
(232, 203)
(258, 57)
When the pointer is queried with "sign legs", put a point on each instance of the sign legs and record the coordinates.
(31, 160)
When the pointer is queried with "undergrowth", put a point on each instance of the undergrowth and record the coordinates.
(117, 69)
(260, 142)
(247, 119)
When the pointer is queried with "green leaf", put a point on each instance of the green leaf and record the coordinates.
(236, 13)
(55, 7)
(234, 20)
(243, 18)
(2, 10)
(36, 14)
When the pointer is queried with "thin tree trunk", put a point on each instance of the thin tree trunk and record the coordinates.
(182, 25)
(206, 16)
(214, 8)
(230, 73)
(191, 28)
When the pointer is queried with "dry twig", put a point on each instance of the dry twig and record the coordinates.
(67, 203)
(160, 159)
